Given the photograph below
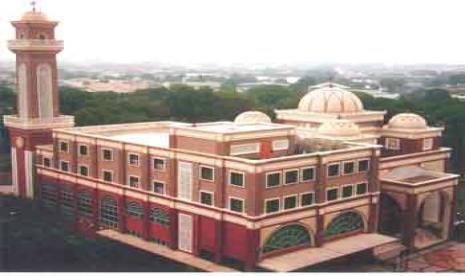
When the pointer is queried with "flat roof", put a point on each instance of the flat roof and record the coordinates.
(152, 139)
(231, 127)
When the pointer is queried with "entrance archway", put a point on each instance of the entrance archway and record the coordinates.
(431, 214)
(390, 216)
(345, 224)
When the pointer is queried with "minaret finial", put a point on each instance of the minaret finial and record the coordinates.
(33, 4)
(330, 81)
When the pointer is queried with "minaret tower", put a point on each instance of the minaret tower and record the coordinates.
(37, 96)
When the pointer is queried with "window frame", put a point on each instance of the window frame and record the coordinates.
(276, 147)
(356, 188)
(342, 191)
(67, 164)
(83, 166)
(355, 170)
(271, 199)
(111, 154)
(79, 150)
(431, 144)
(338, 171)
(159, 182)
(62, 142)
(236, 198)
(280, 179)
(337, 189)
(296, 202)
(157, 169)
(111, 173)
(50, 164)
(368, 165)
(302, 174)
(129, 159)
(206, 167)
(138, 181)
(284, 180)
(392, 139)
(301, 201)
(230, 177)
(212, 194)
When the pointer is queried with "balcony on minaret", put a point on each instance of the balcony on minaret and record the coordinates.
(36, 45)
(61, 121)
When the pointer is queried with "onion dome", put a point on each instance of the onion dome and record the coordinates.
(330, 99)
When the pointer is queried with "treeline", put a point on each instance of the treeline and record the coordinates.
(186, 104)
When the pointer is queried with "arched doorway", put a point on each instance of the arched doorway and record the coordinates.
(345, 224)
(289, 236)
(390, 216)
(431, 214)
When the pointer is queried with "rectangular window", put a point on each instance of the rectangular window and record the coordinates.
(107, 154)
(308, 174)
(292, 177)
(206, 173)
(107, 176)
(347, 191)
(349, 167)
(362, 188)
(158, 164)
(392, 144)
(236, 179)
(428, 144)
(134, 159)
(83, 170)
(64, 147)
(64, 166)
(332, 194)
(158, 187)
(83, 150)
(363, 165)
(47, 162)
(273, 180)
(271, 206)
(333, 170)
(290, 202)
(236, 205)
(307, 199)
(133, 181)
(206, 198)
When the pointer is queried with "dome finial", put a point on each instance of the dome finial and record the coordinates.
(33, 4)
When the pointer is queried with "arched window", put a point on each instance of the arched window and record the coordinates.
(23, 108)
(67, 199)
(45, 91)
(109, 212)
(345, 223)
(287, 237)
(42, 36)
(84, 201)
(49, 196)
(135, 209)
(159, 216)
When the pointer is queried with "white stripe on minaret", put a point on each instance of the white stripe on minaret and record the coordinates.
(29, 164)
(14, 171)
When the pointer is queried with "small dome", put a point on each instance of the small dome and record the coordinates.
(339, 128)
(34, 16)
(330, 99)
(407, 121)
(252, 117)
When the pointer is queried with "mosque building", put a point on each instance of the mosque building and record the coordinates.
(322, 181)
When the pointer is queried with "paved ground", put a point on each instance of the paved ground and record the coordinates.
(450, 258)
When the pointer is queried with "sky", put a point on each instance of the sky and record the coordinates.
(228, 32)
